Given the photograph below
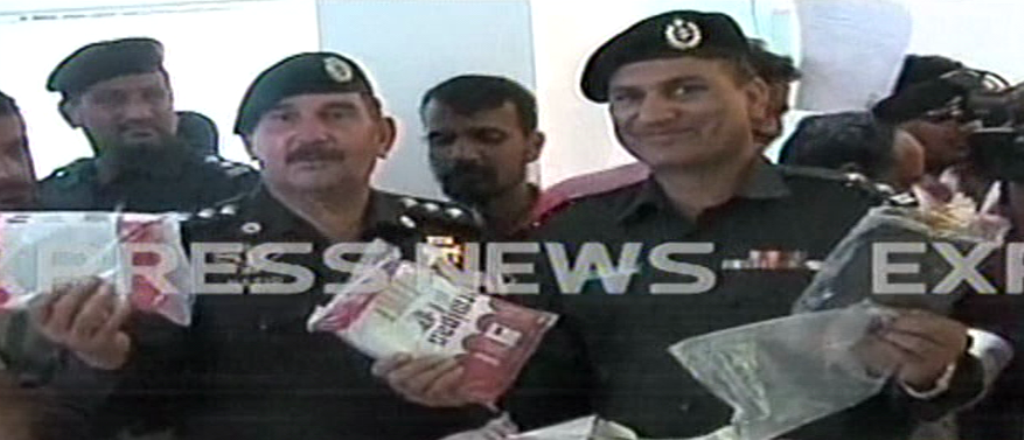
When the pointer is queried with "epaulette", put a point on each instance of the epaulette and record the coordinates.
(230, 168)
(70, 173)
(212, 213)
(876, 190)
(419, 213)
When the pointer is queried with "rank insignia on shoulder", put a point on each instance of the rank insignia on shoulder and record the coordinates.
(770, 259)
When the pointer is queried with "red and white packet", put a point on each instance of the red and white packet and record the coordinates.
(393, 306)
(141, 254)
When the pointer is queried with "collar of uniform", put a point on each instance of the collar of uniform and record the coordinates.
(277, 220)
(171, 167)
(765, 183)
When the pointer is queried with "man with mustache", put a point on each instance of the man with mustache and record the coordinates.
(482, 134)
(119, 94)
(248, 368)
(683, 98)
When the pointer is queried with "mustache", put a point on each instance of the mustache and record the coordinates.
(314, 152)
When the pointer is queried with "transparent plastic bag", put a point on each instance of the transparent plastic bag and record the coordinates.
(848, 274)
(781, 374)
(140, 254)
(392, 306)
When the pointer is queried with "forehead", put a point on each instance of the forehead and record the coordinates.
(320, 100)
(660, 70)
(130, 82)
(440, 115)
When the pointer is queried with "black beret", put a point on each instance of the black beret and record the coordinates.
(104, 60)
(920, 68)
(920, 88)
(305, 73)
(669, 35)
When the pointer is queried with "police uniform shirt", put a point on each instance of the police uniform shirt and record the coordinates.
(767, 239)
(261, 374)
(188, 186)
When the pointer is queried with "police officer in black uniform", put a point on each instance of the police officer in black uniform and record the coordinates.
(119, 94)
(682, 97)
(248, 367)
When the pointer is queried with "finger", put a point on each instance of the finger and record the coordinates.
(918, 349)
(444, 387)
(67, 307)
(427, 382)
(117, 321)
(384, 367)
(414, 368)
(879, 357)
(94, 313)
(938, 329)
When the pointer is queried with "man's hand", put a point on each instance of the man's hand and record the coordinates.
(87, 318)
(917, 347)
(430, 381)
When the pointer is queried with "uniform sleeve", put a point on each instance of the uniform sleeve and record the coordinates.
(86, 403)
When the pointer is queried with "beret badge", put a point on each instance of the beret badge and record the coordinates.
(682, 34)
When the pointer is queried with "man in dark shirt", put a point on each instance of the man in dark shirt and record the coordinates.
(248, 367)
(724, 238)
(119, 94)
(482, 135)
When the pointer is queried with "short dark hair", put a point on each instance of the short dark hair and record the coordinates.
(838, 139)
(469, 94)
(8, 106)
(770, 66)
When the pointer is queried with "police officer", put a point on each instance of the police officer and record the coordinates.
(682, 97)
(249, 368)
(119, 94)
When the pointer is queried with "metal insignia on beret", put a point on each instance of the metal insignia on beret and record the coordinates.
(338, 69)
(251, 228)
(682, 34)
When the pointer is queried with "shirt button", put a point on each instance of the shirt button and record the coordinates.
(263, 325)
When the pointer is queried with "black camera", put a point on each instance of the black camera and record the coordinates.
(992, 109)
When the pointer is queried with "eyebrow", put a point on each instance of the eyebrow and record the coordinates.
(675, 80)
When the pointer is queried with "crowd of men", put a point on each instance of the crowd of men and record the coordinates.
(689, 96)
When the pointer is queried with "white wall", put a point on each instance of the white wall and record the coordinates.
(409, 46)
(986, 34)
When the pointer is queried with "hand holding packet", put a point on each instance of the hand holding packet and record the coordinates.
(392, 306)
(781, 374)
(140, 254)
(868, 262)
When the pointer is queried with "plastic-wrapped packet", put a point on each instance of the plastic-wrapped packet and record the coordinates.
(140, 254)
(392, 306)
(912, 234)
(781, 374)
(583, 428)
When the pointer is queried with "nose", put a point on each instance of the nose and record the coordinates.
(655, 109)
(463, 150)
(138, 109)
(310, 129)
